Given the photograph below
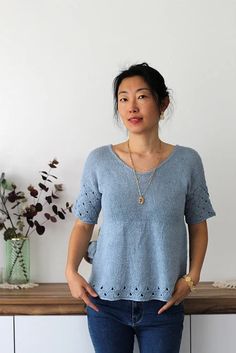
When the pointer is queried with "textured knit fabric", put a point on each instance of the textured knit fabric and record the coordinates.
(141, 250)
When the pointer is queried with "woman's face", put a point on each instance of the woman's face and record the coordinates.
(136, 105)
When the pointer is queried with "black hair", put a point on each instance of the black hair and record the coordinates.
(150, 75)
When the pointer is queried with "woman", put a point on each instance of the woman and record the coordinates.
(147, 189)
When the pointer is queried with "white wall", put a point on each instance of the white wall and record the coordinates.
(57, 63)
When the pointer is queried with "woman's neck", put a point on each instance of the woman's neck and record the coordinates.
(145, 145)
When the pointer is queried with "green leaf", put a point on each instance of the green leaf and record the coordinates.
(17, 204)
(48, 199)
(20, 225)
(43, 187)
(33, 191)
(9, 233)
(7, 185)
(38, 207)
(54, 163)
(53, 176)
(58, 187)
(54, 208)
(61, 215)
(39, 228)
(54, 196)
(30, 222)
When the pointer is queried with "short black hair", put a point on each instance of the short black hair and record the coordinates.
(150, 75)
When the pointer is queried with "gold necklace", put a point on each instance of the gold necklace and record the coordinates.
(141, 198)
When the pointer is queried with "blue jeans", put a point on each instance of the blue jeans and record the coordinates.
(112, 329)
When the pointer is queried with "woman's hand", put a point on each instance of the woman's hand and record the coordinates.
(80, 289)
(181, 291)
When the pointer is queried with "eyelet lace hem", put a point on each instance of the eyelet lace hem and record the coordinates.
(126, 292)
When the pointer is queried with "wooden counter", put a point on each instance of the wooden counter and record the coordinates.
(55, 299)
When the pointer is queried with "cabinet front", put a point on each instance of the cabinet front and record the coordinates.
(62, 334)
(47, 334)
(6, 334)
(213, 333)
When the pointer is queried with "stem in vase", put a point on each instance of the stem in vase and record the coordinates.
(19, 256)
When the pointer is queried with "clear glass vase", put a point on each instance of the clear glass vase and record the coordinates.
(17, 260)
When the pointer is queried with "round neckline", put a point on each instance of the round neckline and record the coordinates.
(149, 171)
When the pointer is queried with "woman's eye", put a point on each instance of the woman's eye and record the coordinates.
(125, 99)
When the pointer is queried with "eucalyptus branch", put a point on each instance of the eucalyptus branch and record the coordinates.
(47, 220)
(25, 217)
(36, 201)
(27, 232)
(8, 215)
(45, 181)
(21, 212)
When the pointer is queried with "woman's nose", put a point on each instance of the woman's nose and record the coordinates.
(133, 107)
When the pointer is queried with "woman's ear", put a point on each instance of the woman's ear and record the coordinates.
(164, 104)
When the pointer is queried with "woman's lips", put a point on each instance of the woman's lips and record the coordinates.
(135, 120)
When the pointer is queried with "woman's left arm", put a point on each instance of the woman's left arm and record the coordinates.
(198, 239)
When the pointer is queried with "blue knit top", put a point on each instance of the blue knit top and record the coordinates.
(141, 250)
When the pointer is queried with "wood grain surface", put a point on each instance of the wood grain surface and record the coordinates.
(55, 299)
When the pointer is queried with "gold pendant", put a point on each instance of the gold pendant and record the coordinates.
(141, 200)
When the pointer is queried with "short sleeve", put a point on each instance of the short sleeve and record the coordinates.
(198, 206)
(88, 203)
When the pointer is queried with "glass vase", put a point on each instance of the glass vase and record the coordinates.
(17, 260)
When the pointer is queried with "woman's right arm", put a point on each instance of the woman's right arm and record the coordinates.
(78, 245)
